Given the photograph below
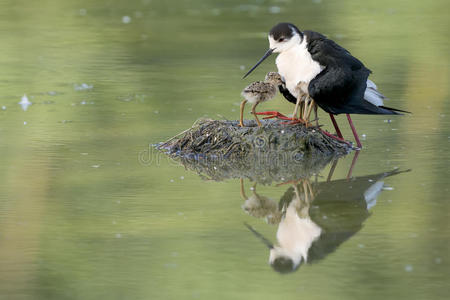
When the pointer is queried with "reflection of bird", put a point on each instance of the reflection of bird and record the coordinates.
(337, 81)
(316, 220)
(296, 232)
(259, 91)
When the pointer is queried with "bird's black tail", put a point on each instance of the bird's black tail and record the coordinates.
(367, 108)
(394, 109)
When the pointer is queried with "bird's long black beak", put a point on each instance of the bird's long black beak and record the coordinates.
(266, 55)
(260, 236)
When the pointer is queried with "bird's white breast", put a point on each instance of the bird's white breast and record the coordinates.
(295, 65)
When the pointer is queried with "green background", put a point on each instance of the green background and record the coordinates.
(81, 217)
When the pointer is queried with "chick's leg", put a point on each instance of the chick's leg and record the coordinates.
(241, 120)
(254, 113)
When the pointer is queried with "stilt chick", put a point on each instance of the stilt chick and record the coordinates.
(305, 104)
(259, 91)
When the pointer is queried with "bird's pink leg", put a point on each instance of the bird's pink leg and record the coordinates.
(292, 120)
(333, 136)
(355, 134)
(336, 127)
(330, 174)
(355, 158)
(271, 114)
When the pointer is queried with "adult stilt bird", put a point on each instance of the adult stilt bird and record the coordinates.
(337, 81)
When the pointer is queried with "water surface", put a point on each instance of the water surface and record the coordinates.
(88, 210)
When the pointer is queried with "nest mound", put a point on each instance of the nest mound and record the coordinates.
(275, 151)
(227, 139)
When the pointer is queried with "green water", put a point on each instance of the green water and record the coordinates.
(89, 211)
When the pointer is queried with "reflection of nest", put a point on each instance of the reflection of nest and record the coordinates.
(213, 138)
(275, 152)
(259, 168)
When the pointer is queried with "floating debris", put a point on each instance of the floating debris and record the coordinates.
(24, 102)
(134, 97)
(3, 107)
(246, 8)
(126, 19)
(82, 87)
(274, 9)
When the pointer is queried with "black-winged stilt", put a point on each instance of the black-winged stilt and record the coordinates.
(337, 81)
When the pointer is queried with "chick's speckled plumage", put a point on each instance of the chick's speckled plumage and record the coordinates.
(260, 91)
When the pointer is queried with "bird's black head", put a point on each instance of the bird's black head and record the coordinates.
(282, 37)
(284, 31)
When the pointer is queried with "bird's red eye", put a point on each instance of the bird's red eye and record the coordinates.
(281, 39)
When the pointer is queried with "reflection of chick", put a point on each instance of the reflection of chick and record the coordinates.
(296, 233)
(260, 206)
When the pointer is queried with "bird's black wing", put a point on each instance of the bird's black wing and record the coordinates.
(327, 52)
(340, 87)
